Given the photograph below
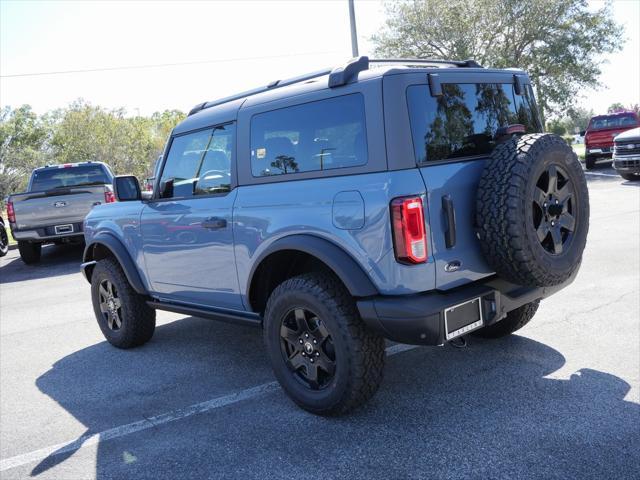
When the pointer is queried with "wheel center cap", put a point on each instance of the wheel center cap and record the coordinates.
(308, 348)
(111, 304)
(554, 209)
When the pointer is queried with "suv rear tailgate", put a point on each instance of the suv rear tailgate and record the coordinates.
(454, 130)
(463, 261)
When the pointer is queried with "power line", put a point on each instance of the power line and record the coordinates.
(161, 65)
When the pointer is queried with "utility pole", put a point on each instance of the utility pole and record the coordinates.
(354, 35)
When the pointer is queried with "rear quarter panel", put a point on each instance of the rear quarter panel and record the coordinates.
(265, 213)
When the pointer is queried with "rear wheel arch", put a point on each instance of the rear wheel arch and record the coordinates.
(298, 254)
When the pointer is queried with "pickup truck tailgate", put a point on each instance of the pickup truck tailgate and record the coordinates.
(54, 207)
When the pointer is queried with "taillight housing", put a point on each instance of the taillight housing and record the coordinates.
(409, 231)
(11, 214)
(109, 197)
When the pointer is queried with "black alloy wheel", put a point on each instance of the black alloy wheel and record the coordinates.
(307, 347)
(553, 210)
(124, 317)
(110, 305)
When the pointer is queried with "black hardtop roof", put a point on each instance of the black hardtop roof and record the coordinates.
(357, 69)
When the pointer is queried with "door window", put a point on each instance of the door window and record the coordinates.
(199, 163)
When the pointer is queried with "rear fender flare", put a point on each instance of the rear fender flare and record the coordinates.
(340, 262)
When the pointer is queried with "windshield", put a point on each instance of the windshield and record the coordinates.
(613, 121)
(82, 175)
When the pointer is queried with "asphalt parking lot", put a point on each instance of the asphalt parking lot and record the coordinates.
(561, 399)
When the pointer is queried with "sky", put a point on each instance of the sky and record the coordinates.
(213, 48)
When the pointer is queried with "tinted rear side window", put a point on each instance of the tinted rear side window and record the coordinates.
(322, 135)
(464, 120)
(83, 175)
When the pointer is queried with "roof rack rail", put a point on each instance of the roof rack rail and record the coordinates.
(337, 76)
(272, 85)
(469, 63)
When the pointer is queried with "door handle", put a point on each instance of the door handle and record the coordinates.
(214, 223)
(450, 217)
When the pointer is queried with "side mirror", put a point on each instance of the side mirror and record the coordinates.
(166, 188)
(582, 133)
(126, 188)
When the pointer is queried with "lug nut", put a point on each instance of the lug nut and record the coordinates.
(315, 341)
(306, 335)
(300, 340)
(557, 202)
(304, 354)
(311, 360)
(553, 224)
(544, 204)
(317, 354)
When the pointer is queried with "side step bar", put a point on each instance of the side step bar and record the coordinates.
(245, 318)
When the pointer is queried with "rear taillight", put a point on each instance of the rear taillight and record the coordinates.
(11, 214)
(409, 232)
(109, 197)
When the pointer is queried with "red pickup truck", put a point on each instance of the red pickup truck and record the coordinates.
(598, 138)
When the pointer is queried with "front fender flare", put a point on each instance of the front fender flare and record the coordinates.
(119, 251)
(340, 262)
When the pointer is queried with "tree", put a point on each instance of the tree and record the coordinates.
(560, 43)
(615, 107)
(577, 119)
(556, 126)
(23, 138)
(78, 133)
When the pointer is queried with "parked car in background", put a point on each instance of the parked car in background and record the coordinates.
(414, 200)
(4, 239)
(602, 129)
(57, 199)
(626, 154)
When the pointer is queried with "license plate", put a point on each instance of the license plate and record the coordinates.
(61, 229)
(462, 318)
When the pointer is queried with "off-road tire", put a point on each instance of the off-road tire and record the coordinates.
(138, 319)
(630, 176)
(4, 240)
(589, 162)
(505, 211)
(359, 352)
(515, 320)
(30, 252)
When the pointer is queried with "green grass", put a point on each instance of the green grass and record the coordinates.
(579, 149)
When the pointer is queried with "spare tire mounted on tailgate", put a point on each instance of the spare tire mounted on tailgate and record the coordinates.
(533, 210)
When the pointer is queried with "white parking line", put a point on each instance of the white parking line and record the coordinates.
(116, 432)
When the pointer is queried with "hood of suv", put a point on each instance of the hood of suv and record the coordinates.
(633, 134)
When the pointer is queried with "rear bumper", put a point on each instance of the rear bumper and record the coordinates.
(419, 319)
(48, 233)
(599, 152)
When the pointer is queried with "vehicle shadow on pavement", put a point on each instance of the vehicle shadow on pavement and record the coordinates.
(490, 410)
(56, 260)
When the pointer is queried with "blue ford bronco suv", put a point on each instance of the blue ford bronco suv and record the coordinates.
(410, 200)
